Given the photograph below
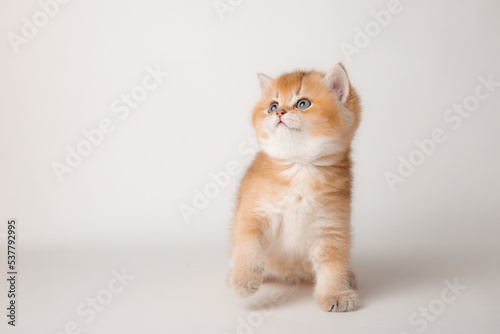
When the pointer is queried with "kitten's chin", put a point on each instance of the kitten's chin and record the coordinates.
(282, 126)
(293, 145)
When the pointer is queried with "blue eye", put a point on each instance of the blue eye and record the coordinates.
(273, 108)
(303, 104)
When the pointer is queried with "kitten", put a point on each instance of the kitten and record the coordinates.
(292, 221)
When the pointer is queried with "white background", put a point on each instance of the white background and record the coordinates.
(120, 207)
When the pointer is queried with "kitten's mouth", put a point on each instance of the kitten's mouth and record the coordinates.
(282, 124)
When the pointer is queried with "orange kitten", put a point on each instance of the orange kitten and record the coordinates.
(292, 221)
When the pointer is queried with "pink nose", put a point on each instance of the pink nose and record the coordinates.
(281, 112)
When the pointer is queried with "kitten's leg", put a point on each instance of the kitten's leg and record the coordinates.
(247, 267)
(334, 281)
(353, 283)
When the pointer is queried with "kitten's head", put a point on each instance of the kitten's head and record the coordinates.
(304, 116)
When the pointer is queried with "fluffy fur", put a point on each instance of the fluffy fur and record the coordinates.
(292, 221)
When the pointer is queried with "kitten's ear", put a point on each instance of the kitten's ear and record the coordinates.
(265, 82)
(337, 80)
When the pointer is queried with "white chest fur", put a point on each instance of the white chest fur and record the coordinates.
(293, 214)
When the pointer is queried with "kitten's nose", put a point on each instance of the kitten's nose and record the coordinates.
(281, 112)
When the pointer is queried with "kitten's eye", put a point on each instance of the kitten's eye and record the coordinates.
(273, 108)
(303, 104)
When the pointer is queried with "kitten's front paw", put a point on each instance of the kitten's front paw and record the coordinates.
(246, 283)
(339, 302)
